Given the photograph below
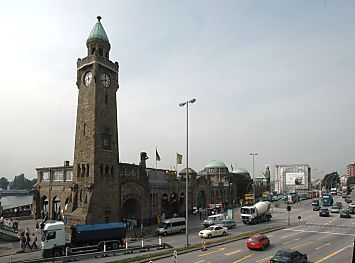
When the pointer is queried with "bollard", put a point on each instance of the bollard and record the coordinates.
(203, 245)
(142, 242)
(126, 241)
(10, 258)
(104, 246)
(66, 251)
(159, 240)
(175, 256)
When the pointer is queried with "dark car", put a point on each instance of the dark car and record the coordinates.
(324, 212)
(227, 223)
(348, 200)
(289, 256)
(345, 213)
(258, 241)
(315, 202)
(315, 207)
(340, 204)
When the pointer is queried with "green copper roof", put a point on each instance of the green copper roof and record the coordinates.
(98, 32)
(240, 171)
(216, 164)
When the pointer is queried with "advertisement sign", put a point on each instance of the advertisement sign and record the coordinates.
(295, 179)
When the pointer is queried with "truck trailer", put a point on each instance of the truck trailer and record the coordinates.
(83, 239)
(260, 212)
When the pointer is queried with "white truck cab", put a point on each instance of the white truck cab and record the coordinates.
(53, 237)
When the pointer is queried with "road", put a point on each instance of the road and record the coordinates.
(323, 239)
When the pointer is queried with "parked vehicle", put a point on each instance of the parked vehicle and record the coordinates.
(324, 212)
(289, 256)
(84, 238)
(257, 213)
(335, 209)
(227, 223)
(258, 241)
(213, 220)
(171, 226)
(345, 213)
(213, 231)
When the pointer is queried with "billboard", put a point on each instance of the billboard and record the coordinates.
(295, 179)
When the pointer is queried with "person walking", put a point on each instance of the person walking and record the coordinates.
(37, 226)
(27, 241)
(34, 240)
(42, 227)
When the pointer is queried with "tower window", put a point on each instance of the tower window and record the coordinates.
(84, 129)
(79, 170)
(92, 51)
(106, 141)
(106, 170)
(101, 53)
(87, 170)
(112, 171)
(106, 54)
(101, 169)
(105, 99)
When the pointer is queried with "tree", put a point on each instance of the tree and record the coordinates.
(4, 183)
(20, 182)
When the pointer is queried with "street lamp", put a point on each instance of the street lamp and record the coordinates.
(187, 166)
(253, 154)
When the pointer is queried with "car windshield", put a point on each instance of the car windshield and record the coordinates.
(210, 228)
(247, 210)
(335, 207)
(283, 254)
(253, 239)
(161, 225)
(324, 209)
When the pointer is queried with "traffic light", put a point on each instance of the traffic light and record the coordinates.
(288, 208)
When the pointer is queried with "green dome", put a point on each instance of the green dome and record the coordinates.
(240, 171)
(98, 32)
(216, 164)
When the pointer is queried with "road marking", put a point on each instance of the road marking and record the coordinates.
(290, 235)
(239, 260)
(291, 241)
(326, 244)
(232, 253)
(323, 237)
(312, 231)
(332, 254)
(302, 244)
(214, 251)
(200, 261)
(262, 260)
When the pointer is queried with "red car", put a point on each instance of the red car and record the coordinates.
(258, 241)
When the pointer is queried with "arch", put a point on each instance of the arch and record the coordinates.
(202, 199)
(131, 209)
(56, 206)
(44, 206)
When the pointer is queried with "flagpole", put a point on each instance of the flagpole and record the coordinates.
(156, 161)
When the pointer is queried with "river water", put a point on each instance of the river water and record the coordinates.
(8, 202)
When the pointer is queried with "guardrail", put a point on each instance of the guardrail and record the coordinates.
(108, 253)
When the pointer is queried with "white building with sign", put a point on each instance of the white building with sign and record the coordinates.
(292, 178)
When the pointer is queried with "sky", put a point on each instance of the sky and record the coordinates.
(269, 77)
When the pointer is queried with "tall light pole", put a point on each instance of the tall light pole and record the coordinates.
(187, 167)
(253, 154)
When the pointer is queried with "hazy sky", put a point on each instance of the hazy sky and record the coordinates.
(272, 77)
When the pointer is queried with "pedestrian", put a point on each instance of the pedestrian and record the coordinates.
(42, 227)
(34, 244)
(37, 226)
(28, 241)
(23, 242)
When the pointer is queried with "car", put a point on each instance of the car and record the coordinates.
(345, 213)
(227, 223)
(289, 256)
(340, 204)
(258, 241)
(335, 209)
(348, 200)
(315, 202)
(315, 207)
(213, 231)
(324, 212)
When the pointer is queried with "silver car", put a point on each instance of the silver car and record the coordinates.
(335, 209)
(227, 223)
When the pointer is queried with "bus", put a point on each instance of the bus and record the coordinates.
(327, 199)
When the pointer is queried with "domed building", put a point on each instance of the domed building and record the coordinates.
(241, 183)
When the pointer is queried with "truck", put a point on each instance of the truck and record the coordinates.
(333, 191)
(83, 239)
(260, 212)
(327, 199)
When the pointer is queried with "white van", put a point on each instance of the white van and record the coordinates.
(214, 219)
(172, 225)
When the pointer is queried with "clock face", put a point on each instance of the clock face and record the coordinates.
(105, 80)
(88, 78)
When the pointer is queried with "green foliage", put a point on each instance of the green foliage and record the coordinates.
(20, 182)
(4, 183)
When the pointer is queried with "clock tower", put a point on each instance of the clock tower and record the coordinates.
(95, 196)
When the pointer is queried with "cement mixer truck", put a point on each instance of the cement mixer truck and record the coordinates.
(260, 212)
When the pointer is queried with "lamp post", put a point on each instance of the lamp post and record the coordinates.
(187, 166)
(253, 154)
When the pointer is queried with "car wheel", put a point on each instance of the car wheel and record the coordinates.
(263, 247)
(115, 245)
(165, 233)
(209, 236)
(182, 230)
(224, 233)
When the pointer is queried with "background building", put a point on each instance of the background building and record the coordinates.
(292, 178)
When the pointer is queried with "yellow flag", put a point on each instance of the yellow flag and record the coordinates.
(178, 158)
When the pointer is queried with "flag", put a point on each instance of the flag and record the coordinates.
(157, 156)
(178, 158)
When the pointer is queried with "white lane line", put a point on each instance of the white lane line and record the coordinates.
(199, 261)
(333, 254)
(312, 231)
(291, 241)
(290, 235)
(326, 244)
